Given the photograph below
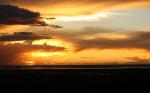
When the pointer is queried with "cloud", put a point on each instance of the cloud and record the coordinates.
(137, 60)
(77, 7)
(13, 15)
(30, 47)
(11, 54)
(11, 50)
(19, 36)
(139, 40)
(106, 39)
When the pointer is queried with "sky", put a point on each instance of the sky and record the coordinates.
(58, 32)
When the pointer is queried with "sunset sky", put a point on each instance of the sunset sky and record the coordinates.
(58, 32)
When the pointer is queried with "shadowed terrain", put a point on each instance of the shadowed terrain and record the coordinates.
(88, 77)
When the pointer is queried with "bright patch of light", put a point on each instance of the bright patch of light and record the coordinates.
(14, 42)
(92, 17)
(46, 54)
(30, 63)
(110, 36)
(53, 42)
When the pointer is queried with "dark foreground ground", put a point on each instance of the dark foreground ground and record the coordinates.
(76, 78)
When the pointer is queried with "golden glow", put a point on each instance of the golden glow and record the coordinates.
(13, 28)
(53, 42)
(91, 56)
(80, 10)
(111, 36)
(91, 17)
(14, 42)
(115, 36)
(40, 57)
(29, 63)
(70, 9)
(95, 56)
(45, 54)
(48, 42)
(83, 7)
(137, 4)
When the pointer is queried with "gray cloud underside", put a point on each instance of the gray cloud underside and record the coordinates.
(19, 36)
(137, 40)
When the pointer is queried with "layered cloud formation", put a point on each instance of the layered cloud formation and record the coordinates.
(11, 54)
(18, 36)
(12, 46)
(107, 39)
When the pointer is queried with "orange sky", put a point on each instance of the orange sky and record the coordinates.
(79, 7)
(94, 32)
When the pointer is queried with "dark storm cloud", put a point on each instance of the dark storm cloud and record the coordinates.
(18, 36)
(30, 47)
(10, 54)
(13, 15)
(135, 40)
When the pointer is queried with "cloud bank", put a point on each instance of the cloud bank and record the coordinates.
(19, 36)
(106, 39)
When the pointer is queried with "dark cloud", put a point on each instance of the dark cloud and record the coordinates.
(18, 36)
(30, 47)
(11, 54)
(135, 40)
(13, 15)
